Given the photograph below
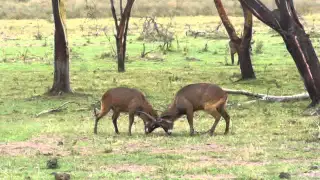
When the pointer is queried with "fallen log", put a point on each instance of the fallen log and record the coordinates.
(267, 97)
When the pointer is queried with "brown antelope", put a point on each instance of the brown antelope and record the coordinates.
(233, 51)
(194, 97)
(129, 100)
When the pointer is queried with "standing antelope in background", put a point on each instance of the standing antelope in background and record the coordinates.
(194, 97)
(129, 100)
(233, 51)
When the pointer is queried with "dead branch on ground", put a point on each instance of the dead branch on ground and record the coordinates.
(267, 97)
(58, 109)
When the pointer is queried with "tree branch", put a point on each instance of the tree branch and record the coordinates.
(125, 17)
(126, 29)
(121, 9)
(114, 15)
(226, 22)
(294, 13)
(277, 3)
(58, 109)
(271, 98)
(262, 13)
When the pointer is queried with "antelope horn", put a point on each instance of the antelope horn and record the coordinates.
(149, 116)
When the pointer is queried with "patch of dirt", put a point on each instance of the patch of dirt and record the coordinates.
(315, 174)
(231, 163)
(299, 160)
(211, 177)
(47, 145)
(204, 176)
(206, 161)
(40, 145)
(224, 176)
(25, 149)
(153, 148)
(129, 168)
(201, 162)
(191, 149)
(132, 147)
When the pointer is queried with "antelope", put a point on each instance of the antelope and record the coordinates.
(233, 51)
(128, 100)
(194, 97)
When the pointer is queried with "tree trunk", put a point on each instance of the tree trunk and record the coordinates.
(121, 55)
(297, 41)
(244, 51)
(242, 45)
(122, 29)
(61, 81)
(306, 60)
(301, 49)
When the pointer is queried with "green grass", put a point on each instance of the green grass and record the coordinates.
(266, 139)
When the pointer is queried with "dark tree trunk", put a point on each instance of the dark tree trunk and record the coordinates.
(297, 41)
(61, 81)
(121, 55)
(244, 51)
(306, 60)
(122, 29)
(242, 45)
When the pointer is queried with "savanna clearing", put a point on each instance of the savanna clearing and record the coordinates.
(266, 138)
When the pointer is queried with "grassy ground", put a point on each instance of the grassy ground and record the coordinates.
(266, 138)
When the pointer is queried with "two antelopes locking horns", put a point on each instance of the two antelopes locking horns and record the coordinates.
(194, 97)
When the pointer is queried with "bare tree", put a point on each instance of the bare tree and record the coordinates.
(240, 45)
(122, 30)
(61, 81)
(298, 43)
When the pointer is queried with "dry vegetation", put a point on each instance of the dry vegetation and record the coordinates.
(22, 9)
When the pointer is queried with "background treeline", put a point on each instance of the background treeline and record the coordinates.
(30, 9)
